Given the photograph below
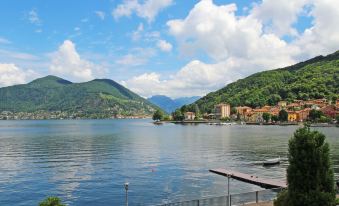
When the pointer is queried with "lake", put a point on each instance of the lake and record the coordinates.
(87, 162)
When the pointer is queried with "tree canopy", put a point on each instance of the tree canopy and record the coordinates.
(309, 175)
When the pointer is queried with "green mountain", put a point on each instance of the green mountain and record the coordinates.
(315, 78)
(99, 98)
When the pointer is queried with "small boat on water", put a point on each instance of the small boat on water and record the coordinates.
(273, 161)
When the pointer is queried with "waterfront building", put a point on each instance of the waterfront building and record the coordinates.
(330, 111)
(222, 111)
(189, 115)
(243, 111)
(292, 116)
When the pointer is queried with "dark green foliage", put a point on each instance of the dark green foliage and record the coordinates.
(315, 115)
(283, 115)
(309, 175)
(312, 79)
(178, 115)
(98, 98)
(158, 115)
(266, 116)
(51, 201)
(274, 118)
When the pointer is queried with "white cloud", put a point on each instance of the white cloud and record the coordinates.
(242, 45)
(149, 9)
(33, 17)
(4, 41)
(100, 14)
(10, 74)
(68, 63)
(280, 15)
(136, 35)
(165, 46)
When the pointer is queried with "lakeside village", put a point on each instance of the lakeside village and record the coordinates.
(317, 110)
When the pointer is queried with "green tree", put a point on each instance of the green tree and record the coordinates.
(51, 201)
(337, 118)
(158, 115)
(266, 116)
(283, 115)
(274, 118)
(315, 115)
(178, 116)
(309, 175)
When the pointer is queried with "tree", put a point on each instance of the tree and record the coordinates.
(178, 116)
(266, 116)
(158, 115)
(51, 201)
(283, 115)
(315, 115)
(274, 118)
(309, 175)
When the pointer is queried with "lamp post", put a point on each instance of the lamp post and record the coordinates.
(228, 190)
(126, 188)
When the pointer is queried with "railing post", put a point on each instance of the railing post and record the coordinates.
(230, 200)
(198, 203)
(256, 196)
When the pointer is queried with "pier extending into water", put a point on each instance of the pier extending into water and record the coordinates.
(252, 179)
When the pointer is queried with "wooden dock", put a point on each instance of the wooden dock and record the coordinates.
(252, 179)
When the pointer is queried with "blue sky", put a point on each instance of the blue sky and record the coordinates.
(171, 47)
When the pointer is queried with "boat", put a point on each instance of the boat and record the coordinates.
(273, 161)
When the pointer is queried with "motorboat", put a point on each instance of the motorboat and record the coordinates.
(274, 161)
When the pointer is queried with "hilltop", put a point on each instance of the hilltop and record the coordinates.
(99, 98)
(312, 79)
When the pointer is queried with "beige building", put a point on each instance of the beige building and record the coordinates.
(189, 115)
(222, 111)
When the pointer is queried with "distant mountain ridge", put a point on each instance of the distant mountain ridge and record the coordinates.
(169, 105)
(312, 79)
(99, 98)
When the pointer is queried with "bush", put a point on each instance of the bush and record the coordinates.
(51, 201)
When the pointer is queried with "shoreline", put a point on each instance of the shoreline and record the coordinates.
(220, 123)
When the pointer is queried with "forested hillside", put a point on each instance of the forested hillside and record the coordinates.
(312, 79)
(97, 98)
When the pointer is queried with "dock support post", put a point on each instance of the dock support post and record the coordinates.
(256, 197)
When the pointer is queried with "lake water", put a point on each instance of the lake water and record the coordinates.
(87, 162)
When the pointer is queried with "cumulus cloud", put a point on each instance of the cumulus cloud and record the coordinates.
(164, 46)
(280, 15)
(242, 45)
(68, 63)
(149, 9)
(10, 74)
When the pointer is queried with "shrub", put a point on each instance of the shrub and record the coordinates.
(51, 201)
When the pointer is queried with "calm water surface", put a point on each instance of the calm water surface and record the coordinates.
(87, 162)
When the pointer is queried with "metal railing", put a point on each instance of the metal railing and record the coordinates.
(235, 199)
